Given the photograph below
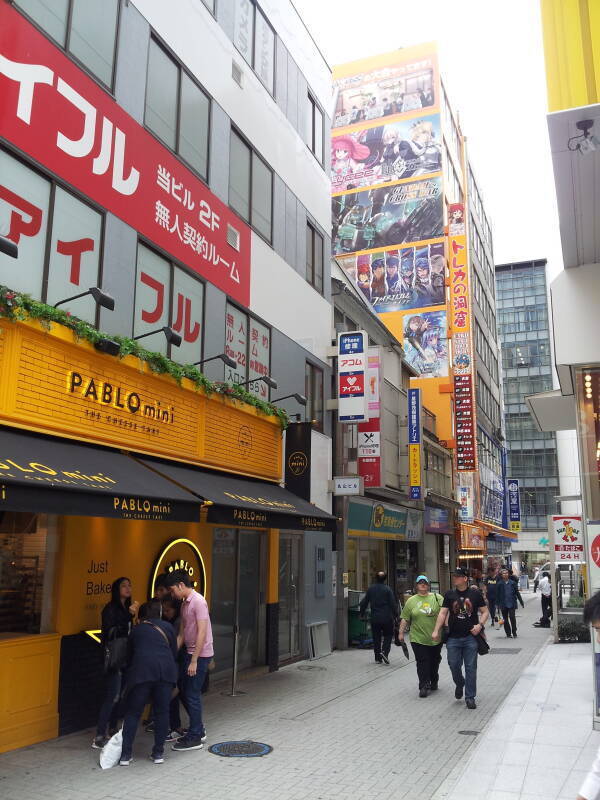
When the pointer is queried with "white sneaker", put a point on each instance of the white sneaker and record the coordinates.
(125, 762)
(157, 759)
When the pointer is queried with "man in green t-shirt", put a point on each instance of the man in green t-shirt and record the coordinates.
(421, 612)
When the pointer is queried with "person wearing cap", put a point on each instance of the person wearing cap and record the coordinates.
(465, 612)
(421, 612)
(384, 612)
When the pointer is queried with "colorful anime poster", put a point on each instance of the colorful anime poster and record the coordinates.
(386, 153)
(425, 342)
(399, 279)
(388, 216)
(385, 86)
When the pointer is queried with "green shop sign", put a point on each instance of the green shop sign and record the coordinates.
(383, 521)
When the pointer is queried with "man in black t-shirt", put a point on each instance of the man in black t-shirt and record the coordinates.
(465, 613)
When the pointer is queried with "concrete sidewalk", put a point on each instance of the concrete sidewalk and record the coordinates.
(341, 727)
(540, 743)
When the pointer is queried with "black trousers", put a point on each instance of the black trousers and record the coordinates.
(428, 663)
(510, 621)
(136, 699)
(546, 606)
(385, 631)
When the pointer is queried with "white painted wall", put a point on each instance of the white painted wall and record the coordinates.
(320, 474)
(198, 40)
(284, 298)
(575, 316)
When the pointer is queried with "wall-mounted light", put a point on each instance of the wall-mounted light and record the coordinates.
(585, 142)
(108, 346)
(101, 298)
(299, 398)
(229, 362)
(264, 378)
(170, 335)
(8, 248)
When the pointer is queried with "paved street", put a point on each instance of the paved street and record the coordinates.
(340, 727)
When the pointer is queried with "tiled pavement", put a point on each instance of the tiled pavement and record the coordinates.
(344, 728)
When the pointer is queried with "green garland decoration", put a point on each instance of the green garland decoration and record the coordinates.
(15, 306)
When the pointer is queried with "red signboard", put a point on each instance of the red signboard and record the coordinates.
(52, 111)
(352, 383)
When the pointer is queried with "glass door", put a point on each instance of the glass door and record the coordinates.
(289, 595)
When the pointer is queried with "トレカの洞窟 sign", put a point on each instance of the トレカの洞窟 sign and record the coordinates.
(54, 385)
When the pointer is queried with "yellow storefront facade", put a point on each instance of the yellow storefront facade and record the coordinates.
(106, 470)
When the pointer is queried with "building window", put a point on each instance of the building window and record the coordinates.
(314, 395)
(210, 4)
(87, 30)
(314, 258)
(250, 186)
(248, 343)
(255, 39)
(314, 128)
(63, 256)
(177, 110)
(168, 295)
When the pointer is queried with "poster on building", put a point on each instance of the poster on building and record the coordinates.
(386, 153)
(514, 506)
(259, 358)
(386, 86)
(466, 496)
(387, 216)
(566, 539)
(399, 279)
(425, 343)
(369, 432)
(352, 368)
(236, 344)
(415, 445)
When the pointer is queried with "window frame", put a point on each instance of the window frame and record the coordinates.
(312, 106)
(313, 369)
(314, 235)
(54, 183)
(181, 70)
(252, 63)
(110, 87)
(234, 131)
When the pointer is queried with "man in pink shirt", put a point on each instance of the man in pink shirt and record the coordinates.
(196, 637)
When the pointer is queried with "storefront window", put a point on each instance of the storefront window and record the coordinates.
(23, 553)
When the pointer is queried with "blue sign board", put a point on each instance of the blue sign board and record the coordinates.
(414, 444)
(514, 505)
(352, 343)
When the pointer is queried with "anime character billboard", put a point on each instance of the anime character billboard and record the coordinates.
(387, 216)
(387, 85)
(386, 153)
(400, 279)
(425, 342)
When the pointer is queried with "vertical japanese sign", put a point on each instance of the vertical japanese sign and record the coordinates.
(54, 113)
(236, 344)
(415, 439)
(466, 496)
(460, 314)
(566, 539)
(369, 433)
(514, 506)
(259, 358)
(352, 368)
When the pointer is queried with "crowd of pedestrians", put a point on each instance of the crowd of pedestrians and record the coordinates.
(156, 653)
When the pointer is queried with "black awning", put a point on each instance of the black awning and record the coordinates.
(41, 474)
(246, 503)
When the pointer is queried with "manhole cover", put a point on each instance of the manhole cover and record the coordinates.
(311, 666)
(505, 651)
(469, 733)
(245, 749)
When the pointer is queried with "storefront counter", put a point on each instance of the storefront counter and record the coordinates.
(28, 689)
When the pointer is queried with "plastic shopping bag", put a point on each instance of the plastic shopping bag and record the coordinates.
(111, 752)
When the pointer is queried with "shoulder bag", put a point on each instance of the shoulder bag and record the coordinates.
(115, 651)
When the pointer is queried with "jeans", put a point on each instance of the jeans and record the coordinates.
(137, 697)
(428, 659)
(109, 709)
(461, 649)
(191, 692)
(510, 621)
(492, 607)
(381, 630)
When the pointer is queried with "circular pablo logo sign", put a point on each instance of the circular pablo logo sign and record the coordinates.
(245, 441)
(297, 463)
(180, 554)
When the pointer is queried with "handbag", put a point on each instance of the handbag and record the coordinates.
(483, 647)
(115, 651)
(111, 752)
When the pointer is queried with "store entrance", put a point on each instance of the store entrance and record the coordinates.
(290, 595)
(238, 597)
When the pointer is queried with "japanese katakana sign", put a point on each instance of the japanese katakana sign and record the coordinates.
(53, 112)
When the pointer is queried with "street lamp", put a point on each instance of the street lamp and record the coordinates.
(101, 298)
(264, 378)
(299, 398)
(8, 248)
(170, 335)
(229, 362)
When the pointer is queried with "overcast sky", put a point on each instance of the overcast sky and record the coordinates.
(492, 62)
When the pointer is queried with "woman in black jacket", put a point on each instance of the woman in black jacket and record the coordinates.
(118, 617)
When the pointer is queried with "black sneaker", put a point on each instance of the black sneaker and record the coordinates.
(99, 742)
(385, 659)
(433, 687)
(514, 635)
(424, 692)
(458, 692)
(509, 636)
(378, 661)
(470, 703)
(188, 743)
